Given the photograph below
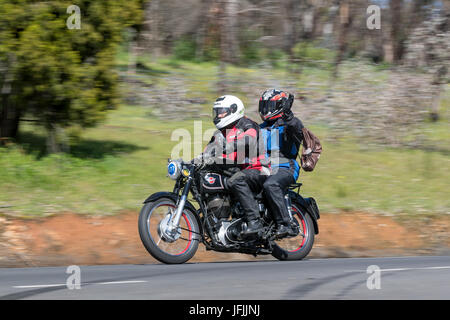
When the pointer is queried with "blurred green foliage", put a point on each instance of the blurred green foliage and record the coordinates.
(59, 75)
(185, 48)
(276, 57)
(251, 50)
(309, 54)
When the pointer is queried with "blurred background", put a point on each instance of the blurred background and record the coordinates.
(87, 112)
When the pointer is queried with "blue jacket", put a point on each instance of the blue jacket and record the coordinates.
(282, 140)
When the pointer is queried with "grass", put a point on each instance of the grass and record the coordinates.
(349, 177)
(116, 165)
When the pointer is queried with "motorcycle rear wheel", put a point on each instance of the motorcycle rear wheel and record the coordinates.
(179, 251)
(296, 248)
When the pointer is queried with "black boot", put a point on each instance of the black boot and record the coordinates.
(286, 229)
(281, 231)
(253, 228)
(294, 229)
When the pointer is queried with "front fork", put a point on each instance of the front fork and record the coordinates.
(175, 219)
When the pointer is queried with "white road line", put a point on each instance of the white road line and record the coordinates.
(374, 258)
(122, 282)
(405, 269)
(88, 283)
(424, 268)
(40, 286)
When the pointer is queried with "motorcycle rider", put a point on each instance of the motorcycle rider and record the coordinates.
(237, 144)
(282, 132)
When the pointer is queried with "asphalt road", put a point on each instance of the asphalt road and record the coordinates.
(400, 278)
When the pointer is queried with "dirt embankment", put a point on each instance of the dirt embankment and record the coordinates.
(68, 239)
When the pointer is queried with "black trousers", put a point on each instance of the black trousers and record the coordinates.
(275, 187)
(245, 185)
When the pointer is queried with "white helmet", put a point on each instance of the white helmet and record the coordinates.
(226, 110)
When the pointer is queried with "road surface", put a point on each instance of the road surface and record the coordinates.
(400, 278)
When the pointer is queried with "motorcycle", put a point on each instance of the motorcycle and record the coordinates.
(171, 227)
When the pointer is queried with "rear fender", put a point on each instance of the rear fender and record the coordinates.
(309, 206)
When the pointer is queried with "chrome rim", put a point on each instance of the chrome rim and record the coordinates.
(184, 234)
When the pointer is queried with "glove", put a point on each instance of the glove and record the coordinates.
(203, 159)
(197, 160)
(287, 112)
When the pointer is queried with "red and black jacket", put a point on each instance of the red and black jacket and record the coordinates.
(239, 144)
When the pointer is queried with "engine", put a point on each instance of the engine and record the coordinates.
(226, 230)
(229, 232)
(219, 206)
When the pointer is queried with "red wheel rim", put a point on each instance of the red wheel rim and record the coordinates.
(305, 230)
(189, 229)
(190, 235)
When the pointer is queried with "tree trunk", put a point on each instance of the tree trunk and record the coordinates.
(230, 47)
(345, 21)
(438, 84)
(447, 8)
(151, 39)
(9, 119)
(396, 29)
(288, 27)
(145, 36)
(417, 14)
(222, 16)
(52, 142)
(133, 49)
(203, 25)
(293, 16)
(434, 114)
(9, 113)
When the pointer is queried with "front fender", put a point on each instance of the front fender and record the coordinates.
(309, 206)
(158, 195)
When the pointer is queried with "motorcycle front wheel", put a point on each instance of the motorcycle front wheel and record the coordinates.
(296, 248)
(170, 250)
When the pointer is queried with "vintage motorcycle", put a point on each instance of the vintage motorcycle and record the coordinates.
(171, 227)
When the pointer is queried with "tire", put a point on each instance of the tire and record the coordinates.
(158, 247)
(288, 254)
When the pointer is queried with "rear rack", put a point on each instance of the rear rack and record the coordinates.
(295, 186)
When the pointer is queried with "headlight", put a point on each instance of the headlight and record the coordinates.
(173, 170)
(185, 172)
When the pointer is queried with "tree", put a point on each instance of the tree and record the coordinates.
(205, 9)
(427, 47)
(397, 32)
(345, 23)
(152, 27)
(292, 18)
(60, 76)
(230, 32)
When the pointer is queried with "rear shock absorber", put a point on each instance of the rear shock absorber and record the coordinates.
(288, 202)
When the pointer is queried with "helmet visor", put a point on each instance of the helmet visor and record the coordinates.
(268, 108)
(220, 113)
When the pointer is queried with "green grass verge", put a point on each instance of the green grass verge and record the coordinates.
(116, 165)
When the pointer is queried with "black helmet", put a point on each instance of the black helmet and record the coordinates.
(273, 102)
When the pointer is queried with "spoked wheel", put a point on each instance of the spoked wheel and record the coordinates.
(296, 248)
(177, 246)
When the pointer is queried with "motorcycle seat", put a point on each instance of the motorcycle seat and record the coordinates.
(260, 195)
